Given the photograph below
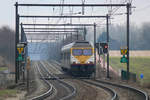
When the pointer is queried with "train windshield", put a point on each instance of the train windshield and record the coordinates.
(87, 52)
(77, 52)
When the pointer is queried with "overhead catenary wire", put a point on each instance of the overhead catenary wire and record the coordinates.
(143, 8)
(114, 10)
(61, 11)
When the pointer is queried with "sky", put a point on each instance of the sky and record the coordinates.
(140, 11)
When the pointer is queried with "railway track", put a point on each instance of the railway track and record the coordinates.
(117, 91)
(130, 93)
(48, 92)
(112, 92)
(67, 86)
(140, 95)
(85, 86)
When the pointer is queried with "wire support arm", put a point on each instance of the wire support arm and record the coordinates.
(38, 16)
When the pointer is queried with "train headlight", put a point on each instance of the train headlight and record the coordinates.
(89, 62)
(74, 62)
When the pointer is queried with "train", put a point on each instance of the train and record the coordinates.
(78, 58)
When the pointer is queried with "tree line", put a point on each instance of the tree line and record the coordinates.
(7, 44)
(139, 36)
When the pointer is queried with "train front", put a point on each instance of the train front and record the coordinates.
(82, 61)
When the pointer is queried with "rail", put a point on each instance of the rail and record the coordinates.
(46, 94)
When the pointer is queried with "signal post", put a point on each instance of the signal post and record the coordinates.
(124, 59)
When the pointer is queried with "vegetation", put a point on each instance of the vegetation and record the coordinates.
(138, 65)
(7, 42)
(7, 93)
(3, 68)
(139, 37)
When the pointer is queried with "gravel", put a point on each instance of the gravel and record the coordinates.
(88, 92)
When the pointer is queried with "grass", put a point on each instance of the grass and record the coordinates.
(3, 68)
(138, 65)
(7, 93)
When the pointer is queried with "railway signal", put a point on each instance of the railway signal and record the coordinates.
(105, 47)
(124, 52)
(20, 49)
(102, 48)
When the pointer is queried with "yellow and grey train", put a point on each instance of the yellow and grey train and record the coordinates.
(78, 58)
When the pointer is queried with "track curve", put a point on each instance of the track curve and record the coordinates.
(48, 92)
(72, 88)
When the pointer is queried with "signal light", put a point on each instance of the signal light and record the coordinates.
(106, 46)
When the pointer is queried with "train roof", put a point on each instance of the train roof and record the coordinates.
(82, 44)
(77, 44)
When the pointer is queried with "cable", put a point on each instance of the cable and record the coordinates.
(71, 13)
(115, 10)
(61, 11)
(141, 9)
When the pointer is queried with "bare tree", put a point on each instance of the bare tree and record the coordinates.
(7, 44)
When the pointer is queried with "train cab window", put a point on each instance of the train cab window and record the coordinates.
(77, 52)
(87, 52)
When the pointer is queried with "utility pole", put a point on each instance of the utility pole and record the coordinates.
(128, 38)
(95, 49)
(71, 36)
(22, 65)
(83, 7)
(66, 39)
(107, 23)
(22, 32)
(28, 68)
(63, 41)
(85, 33)
(77, 35)
(16, 42)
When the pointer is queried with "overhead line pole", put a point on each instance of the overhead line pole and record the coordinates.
(23, 39)
(128, 37)
(107, 29)
(16, 42)
(95, 50)
(85, 32)
(77, 35)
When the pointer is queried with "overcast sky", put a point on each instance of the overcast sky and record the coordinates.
(140, 14)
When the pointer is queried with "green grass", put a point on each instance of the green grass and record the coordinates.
(3, 68)
(138, 65)
(7, 93)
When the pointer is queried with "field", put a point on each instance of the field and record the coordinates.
(137, 53)
(7, 93)
(138, 65)
(3, 68)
